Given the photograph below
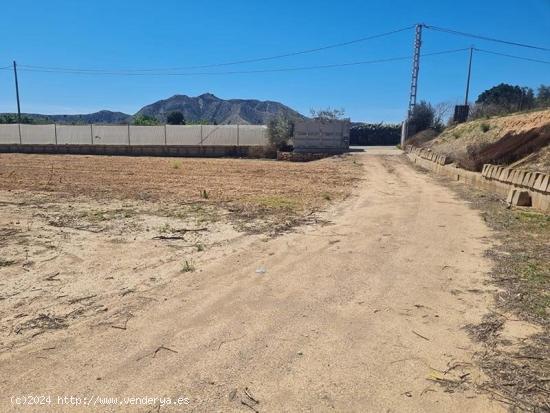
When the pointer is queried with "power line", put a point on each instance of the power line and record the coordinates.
(237, 62)
(513, 56)
(276, 70)
(490, 39)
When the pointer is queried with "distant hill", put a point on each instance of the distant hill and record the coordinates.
(215, 110)
(103, 116)
(206, 107)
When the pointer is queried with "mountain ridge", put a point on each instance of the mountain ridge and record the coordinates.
(206, 107)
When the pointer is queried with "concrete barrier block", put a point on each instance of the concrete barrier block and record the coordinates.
(526, 179)
(532, 179)
(484, 170)
(520, 177)
(521, 198)
(538, 183)
(505, 176)
(495, 173)
(545, 183)
(510, 196)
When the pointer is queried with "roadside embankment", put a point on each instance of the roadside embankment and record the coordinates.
(501, 140)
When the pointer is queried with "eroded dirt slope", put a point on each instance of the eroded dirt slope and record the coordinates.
(498, 140)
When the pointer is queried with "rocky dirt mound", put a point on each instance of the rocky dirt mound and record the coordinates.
(499, 140)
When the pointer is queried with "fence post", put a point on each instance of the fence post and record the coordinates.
(201, 135)
(165, 142)
(129, 142)
(20, 139)
(238, 135)
(92, 133)
(55, 132)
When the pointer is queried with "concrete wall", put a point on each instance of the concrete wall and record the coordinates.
(493, 178)
(331, 136)
(185, 135)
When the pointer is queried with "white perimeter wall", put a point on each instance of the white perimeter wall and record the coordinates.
(184, 135)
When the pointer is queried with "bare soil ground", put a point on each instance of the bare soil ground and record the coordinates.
(515, 334)
(106, 292)
(82, 236)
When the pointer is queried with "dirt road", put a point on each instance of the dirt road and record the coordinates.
(362, 314)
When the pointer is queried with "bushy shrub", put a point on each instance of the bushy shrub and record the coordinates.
(279, 132)
(144, 120)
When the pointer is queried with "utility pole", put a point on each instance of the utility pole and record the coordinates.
(414, 82)
(17, 92)
(415, 69)
(468, 80)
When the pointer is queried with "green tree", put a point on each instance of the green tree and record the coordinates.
(507, 98)
(422, 117)
(543, 96)
(12, 118)
(280, 131)
(144, 120)
(175, 118)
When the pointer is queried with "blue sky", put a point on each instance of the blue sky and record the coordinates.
(120, 35)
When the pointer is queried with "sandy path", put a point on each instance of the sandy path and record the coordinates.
(351, 316)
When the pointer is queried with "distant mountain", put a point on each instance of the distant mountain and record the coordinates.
(205, 107)
(103, 116)
(215, 110)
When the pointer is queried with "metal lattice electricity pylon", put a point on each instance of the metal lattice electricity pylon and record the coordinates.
(415, 69)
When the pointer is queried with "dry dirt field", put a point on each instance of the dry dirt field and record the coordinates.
(84, 236)
(346, 284)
